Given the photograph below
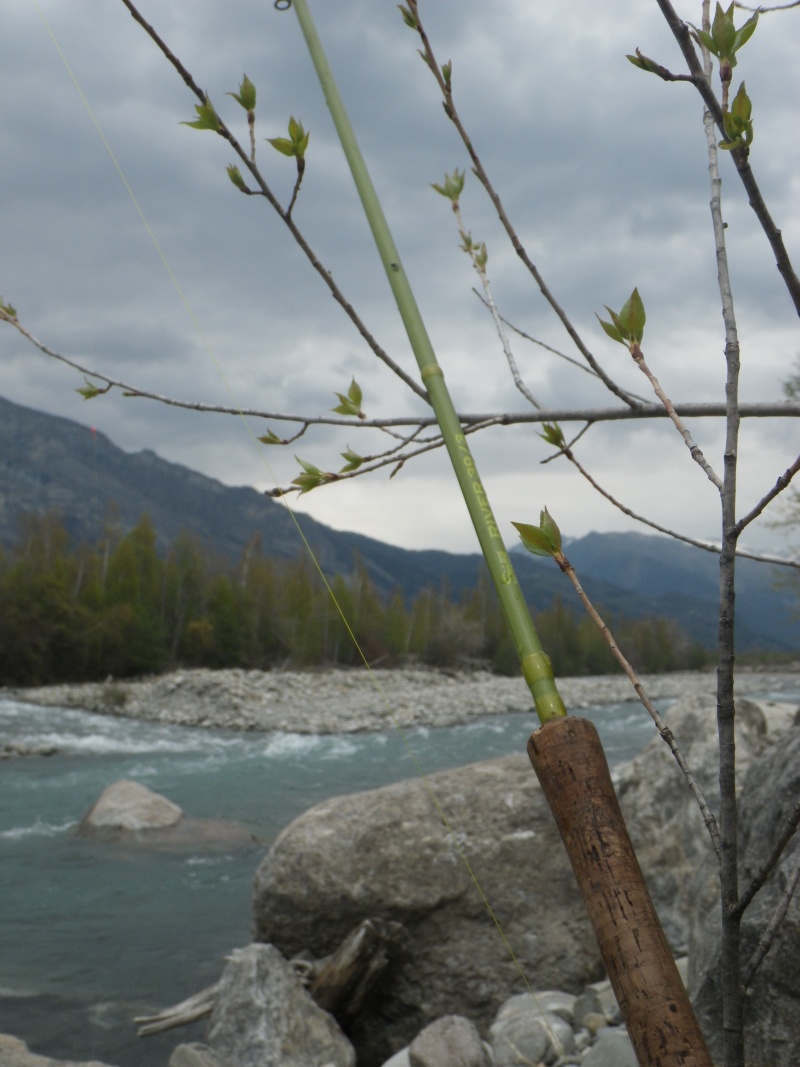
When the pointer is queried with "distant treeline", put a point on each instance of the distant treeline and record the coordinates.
(76, 613)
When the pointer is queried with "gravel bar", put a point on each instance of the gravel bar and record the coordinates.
(348, 701)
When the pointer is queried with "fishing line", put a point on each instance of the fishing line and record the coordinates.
(454, 840)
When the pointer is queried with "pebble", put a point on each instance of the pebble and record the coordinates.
(349, 701)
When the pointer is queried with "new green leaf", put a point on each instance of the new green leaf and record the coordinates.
(270, 438)
(246, 96)
(553, 435)
(235, 176)
(206, 117)
(452, 185)
(90, 390)
(296, 143)
(353, 460)
(310, 478)
(627, 326)
(350, 404)
(542, 540)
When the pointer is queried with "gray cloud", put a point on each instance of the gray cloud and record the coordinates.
(603, 169)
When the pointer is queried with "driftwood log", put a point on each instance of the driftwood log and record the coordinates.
(341, 983)
(188, 1011)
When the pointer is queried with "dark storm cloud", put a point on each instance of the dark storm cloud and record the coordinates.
(603, 169)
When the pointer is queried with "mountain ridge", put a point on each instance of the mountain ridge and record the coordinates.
(49, 463)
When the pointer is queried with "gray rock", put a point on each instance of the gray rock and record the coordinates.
(400, 1059)
(195, 1055)
(451, 1041)
(597, 1000)
(557, 1002)
(524, 1033)
(15, 1053)
(16, 749)
(263, 1017)
(133, 814)
(612, 1048)
(130, 806)
(772, 1019)
(386, 854)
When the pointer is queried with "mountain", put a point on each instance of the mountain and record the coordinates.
(49, 463)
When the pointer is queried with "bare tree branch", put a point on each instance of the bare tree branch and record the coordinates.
(707, 546)
(781, 484)
(702, 409)
(694, 449)
(764, 10)
(519, 248)
(665, 732)
(478, 259)
(681, 33)
(761, 875)
(284, 215)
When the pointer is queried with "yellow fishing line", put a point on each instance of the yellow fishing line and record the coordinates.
(373, 677)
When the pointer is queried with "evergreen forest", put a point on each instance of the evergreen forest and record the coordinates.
(117, 608)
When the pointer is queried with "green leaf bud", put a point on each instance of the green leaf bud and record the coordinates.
(452, 186)
(534, 539)
(270, 438)
(235, 176)
(353, 459)
(246, 96)
(90, 390)
(553, 435)
(206, 118)
(408, 17)
(550, 529)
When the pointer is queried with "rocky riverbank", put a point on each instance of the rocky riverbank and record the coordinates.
(348, 701)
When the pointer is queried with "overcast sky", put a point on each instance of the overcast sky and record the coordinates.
(604, 172)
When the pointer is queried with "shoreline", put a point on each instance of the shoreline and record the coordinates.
(335, 700)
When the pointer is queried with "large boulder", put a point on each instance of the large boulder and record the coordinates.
(772, 1017)
(386, 854)
(263, 1017)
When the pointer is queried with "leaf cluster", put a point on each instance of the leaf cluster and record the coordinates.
(541, 540)
(738, 123)
(452, 186)
(293, 145)
(725, 40)
(626, 326)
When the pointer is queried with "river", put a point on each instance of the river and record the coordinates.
(93, 934)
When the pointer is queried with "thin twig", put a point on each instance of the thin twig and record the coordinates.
(766, 939)
(740, 158)
(702, 409)
(694, 449)
(661, 726)
(764, 10)
(761, 875)
(707, 546)
(781, 484)
(478, 259)
(535, 341)
(284, 215)
(519, 248)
